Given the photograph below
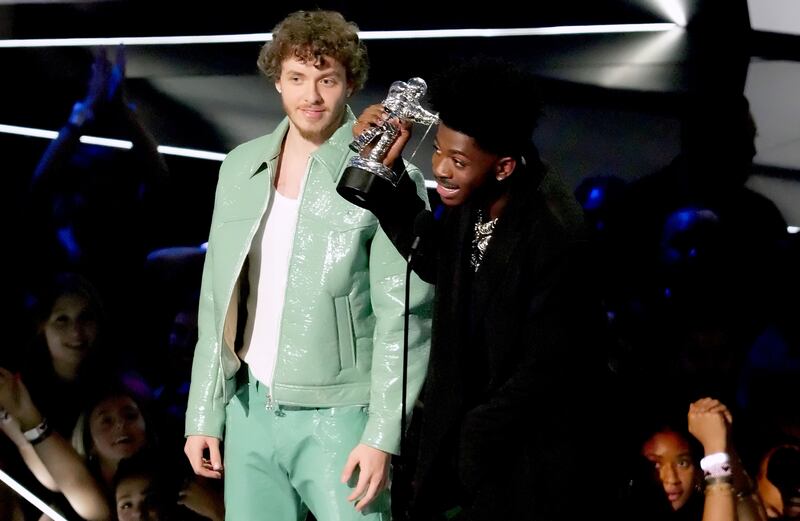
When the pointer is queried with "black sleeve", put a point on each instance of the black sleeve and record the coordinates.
(410, 226)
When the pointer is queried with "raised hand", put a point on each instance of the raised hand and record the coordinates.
(709, 422)
(10, 426)
(98, 81)
(106, 86)
(376, 116)
(16, 401)
(115, 83)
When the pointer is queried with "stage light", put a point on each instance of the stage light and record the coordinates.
(634, 61)
(365, 35)
(27, 131)
(106, 142)
(191, 152)
(673, 10)
(27, 494)
(114, 143)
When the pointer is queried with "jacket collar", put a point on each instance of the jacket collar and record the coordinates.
(330, 153)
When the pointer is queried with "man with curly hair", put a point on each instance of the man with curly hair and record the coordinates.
(299, 356)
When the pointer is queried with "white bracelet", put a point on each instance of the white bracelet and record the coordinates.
(714, 459)
(716, 465)
(38, 433)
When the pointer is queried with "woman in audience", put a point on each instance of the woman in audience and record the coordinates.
(712, 488)
(112, 428)
(67, 357)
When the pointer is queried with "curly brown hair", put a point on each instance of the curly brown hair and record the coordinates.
(310, 35)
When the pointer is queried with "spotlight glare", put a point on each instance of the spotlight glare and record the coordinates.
(674, 10)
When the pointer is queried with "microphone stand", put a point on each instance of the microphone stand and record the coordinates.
(401, 494)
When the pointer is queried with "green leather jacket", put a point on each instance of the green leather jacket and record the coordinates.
(341, 336)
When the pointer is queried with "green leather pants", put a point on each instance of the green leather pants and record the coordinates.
(281, 463)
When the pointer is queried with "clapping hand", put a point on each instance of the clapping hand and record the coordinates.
(106, 88)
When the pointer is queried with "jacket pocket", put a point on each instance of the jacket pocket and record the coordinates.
(344, 327)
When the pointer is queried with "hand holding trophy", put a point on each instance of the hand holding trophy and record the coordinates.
(367, 180)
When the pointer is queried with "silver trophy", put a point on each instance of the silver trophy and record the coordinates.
(366, 176)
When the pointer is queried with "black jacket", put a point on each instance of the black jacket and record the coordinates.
(517, 357)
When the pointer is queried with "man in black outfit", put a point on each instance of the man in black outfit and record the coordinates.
(517, 374)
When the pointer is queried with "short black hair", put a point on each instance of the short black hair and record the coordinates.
(491, 100)
(159, 470)
(143, 463)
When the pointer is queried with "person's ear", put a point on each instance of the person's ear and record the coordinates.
(504, 167)
(278, 87)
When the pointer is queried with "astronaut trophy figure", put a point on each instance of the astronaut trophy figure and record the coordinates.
(366, 176)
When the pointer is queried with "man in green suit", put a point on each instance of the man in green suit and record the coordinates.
(299, 359)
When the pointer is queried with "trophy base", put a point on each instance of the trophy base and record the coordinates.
(364, 188)
(376, 168)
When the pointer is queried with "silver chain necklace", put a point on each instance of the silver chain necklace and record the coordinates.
(480, 240)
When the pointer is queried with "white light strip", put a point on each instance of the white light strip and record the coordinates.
(108, 142)
(793, 229)
(27, 131)
(190, 152)
(136, 40)
(523, 31)
(35, 501)
(430, 184)
(365, 35)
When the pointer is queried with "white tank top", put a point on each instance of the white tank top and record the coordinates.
(268, 273)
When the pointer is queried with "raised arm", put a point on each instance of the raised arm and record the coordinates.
(10, 426)
(117, 104)
(67, 468)
(710, 422)
(105, 100)
(405, 217)
(58, 153)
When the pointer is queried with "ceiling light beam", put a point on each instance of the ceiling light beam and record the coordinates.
(365, 35)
